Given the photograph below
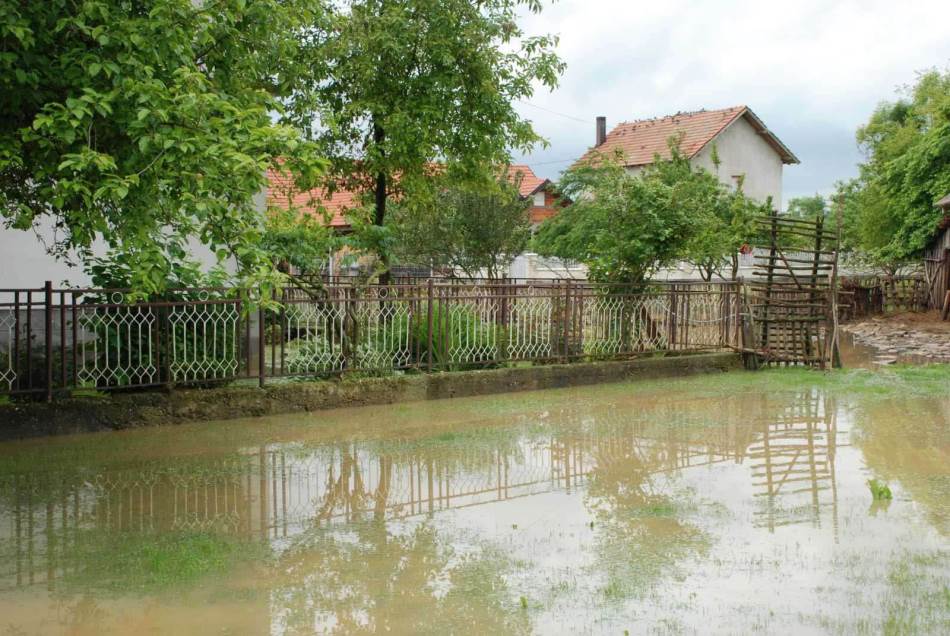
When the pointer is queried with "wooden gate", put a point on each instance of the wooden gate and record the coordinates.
(791, 317)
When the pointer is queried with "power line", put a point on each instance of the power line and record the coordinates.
(554, 112)
(546, 163)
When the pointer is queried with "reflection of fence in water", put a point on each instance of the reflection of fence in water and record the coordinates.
(277, 491)
(793, 464)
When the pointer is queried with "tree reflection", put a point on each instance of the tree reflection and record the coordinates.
(369, 579)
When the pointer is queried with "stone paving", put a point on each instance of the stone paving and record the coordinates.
(921, 336)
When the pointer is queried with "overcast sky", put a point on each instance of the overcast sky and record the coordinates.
(812, 70)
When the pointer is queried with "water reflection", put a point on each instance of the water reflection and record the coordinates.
(613, 453)
(601, 509)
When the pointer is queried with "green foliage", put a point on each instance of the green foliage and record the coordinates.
(807, 208)
(725, 223)
(299, 240)
(622, 226)
(457, 331)
(879, 490)
(146, 127)
(398, 84)
(889, 209)
(478, 226)
(136, 563)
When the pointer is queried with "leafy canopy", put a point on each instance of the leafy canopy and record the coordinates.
(807, 208)
(889, 210)
(725, 223)
(623, 226)
(397, 84)
(144, 125)
(298, 240)
(477, 226)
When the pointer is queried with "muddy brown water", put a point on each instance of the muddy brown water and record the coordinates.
(724, 504)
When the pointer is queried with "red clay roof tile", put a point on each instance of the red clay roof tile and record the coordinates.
(640, 141)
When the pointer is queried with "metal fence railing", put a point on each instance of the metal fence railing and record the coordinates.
(64, 339)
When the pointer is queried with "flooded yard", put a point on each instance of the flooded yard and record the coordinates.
(732, 503)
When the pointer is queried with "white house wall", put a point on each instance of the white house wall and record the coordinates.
(743, 151)
(27, 264)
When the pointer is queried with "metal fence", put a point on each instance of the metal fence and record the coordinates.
(64, 339)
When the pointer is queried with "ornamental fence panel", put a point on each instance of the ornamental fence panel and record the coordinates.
(60, 340)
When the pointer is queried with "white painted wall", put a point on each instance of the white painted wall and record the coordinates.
(742, 150)
(25, 263)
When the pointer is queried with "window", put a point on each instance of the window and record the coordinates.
(737, 181)
(539, 199)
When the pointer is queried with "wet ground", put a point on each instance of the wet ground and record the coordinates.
(733, 503)
(904, 337)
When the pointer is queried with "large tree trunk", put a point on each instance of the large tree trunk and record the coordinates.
(379, 136)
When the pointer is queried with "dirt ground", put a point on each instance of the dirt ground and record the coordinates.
(921, 334)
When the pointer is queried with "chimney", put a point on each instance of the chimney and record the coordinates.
(601, 130)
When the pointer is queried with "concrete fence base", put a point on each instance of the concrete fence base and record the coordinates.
(130, 410)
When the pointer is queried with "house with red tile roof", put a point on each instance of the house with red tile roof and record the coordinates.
(281, 193)
(747, 150)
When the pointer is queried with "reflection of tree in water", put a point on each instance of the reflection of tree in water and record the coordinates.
(367, 579)
(280, 490)
(639, 529)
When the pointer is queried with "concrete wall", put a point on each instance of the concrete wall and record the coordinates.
(530, 265)
(743, 151)
(128, 410)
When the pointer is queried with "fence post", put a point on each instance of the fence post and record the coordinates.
(260, 341)
(429, 308)
(567, 321)
(737, 337)
(48, 333)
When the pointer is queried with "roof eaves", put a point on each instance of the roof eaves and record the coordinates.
(544, 183)
(787, 155)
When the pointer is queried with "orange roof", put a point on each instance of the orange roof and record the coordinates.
(281, 193)
(641, 140)
(530, 182)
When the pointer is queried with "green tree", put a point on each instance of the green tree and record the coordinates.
(476, 226)
(623, 226)
(726, 223)
(807, 208)
(397, 84)
(148, 124)
(298, 241)
(889, 210)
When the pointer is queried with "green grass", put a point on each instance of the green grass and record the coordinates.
(128, 562)
(880, 491)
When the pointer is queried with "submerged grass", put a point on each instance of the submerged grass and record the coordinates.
(130, 562)
(880, 491)
(917, 380)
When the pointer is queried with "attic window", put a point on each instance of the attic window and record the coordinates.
(539, 199)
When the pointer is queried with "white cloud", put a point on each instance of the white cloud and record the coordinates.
(812, 70)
